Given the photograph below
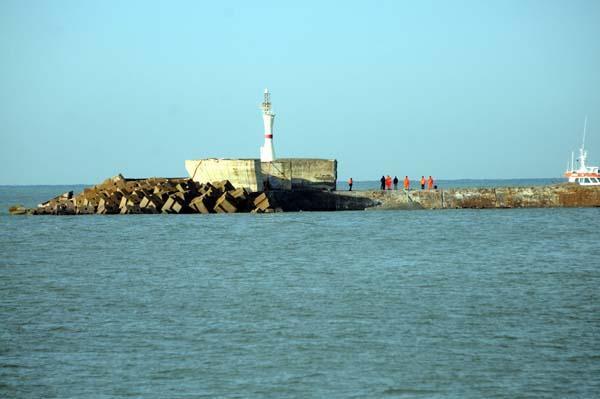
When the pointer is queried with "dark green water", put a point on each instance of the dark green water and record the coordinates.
(408, 304)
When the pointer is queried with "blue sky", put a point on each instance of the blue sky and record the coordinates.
(455, 89)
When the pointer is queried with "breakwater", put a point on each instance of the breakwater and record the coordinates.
(551, 196)
(118, 195)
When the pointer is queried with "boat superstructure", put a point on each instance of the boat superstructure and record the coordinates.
(583, 175)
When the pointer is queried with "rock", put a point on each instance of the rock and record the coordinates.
(18, 210)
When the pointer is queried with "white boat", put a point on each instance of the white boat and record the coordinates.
(584, 175)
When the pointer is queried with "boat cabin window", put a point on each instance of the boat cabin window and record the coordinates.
(587, 180)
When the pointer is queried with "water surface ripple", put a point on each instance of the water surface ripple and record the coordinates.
(409, 304)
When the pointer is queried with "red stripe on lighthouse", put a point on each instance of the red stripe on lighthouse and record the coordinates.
(268, 136)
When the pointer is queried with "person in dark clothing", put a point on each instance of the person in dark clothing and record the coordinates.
(382, 180)
(350, 183)
(395, 182)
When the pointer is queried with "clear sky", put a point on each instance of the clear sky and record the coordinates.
(455, 89)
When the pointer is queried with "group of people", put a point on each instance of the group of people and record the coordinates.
(387, 181)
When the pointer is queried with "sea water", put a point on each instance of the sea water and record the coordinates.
(407, 304)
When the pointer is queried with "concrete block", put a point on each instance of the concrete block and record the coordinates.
(151, 204)
(225, 204)
(178, 207)
(63, 197)
(206, 187)
(260, 199)
(239, 194)
(174, 204)
(166, 208)
(90, 202)
(262, 202)
(115, 197)
(101, 210)
(66, 208)
(42, 211)
(86, 210)
(202, 204)
(108, 203)
(223, 185)
(186, 185)
(130, 210)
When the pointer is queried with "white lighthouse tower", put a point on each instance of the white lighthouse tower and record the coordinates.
(267, 154)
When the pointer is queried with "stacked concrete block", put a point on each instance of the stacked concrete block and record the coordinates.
(118, 195)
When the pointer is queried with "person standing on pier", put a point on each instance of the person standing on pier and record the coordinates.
(382, 180)
(422, 182)
(350, 182)
(395, 182)
(388, 182)
(429, 183)
(406, 183)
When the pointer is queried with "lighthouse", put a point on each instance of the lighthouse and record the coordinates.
(267, 154)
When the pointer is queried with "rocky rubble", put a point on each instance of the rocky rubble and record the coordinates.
(119, 195)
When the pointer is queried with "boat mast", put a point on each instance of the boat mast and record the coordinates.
(582, 152)
(584, 127)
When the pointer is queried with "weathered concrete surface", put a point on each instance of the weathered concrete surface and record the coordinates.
(243, 173)
(281, 174)
(302, 173)
(554, 196)
(310, 200)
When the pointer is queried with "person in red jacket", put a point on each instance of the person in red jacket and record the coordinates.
(429, 183)
(388, 182)
(422, 182)
(406, 183)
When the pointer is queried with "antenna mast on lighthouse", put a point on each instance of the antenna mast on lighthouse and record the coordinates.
(267, 153)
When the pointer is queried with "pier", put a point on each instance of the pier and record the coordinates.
(553, 196)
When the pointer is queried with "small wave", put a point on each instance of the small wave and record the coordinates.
(408, 391)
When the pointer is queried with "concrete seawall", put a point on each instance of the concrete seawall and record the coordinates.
(555, 196)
